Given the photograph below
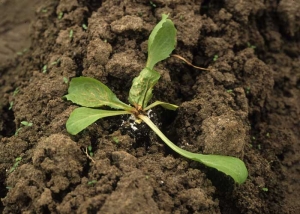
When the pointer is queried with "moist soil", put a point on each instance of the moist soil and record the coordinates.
(247, 106)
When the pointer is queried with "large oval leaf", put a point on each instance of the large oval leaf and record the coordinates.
(82, 117)
(90, 92)
(161, 42)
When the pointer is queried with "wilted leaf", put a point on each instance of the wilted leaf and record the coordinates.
(141, 90)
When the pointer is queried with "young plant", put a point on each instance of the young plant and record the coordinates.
(24, 123)
(66, 80)
(11, 103)
(215, 57)
(16, 164)
(92, 94)
(60, 15)
(44, 69)
(84, 26)
(71, 33)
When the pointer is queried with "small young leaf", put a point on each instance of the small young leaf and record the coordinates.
(90, 92)
(231, 166)
(26, 123)
(168, 106)
(141, 90)
(82, 117)
(161, 42)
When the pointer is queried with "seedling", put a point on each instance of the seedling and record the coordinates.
(11, 105)
(71, 34)
(116, 140)
(44, 69)
(92, 94)
(60, 15)
(84, 26)
(20, 53)
(16, 164)
(250, 46)
(24, 123)
(66, 80)
(152, 4)
(215, 57)
(57, 62)
(89, 153)
(92, 182)
(16, 91)
(247, 90)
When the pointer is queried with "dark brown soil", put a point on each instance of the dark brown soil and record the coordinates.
(247, 106)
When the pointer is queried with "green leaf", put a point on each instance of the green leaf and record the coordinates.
(26, 123)
(231, 166)
(141, 90)
(82, 117)
(157, 27)
(168, 106)
(90, 92)
(161, 42)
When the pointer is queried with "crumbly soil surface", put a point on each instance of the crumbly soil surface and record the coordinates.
(247, 106)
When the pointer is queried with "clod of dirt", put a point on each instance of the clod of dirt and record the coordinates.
(289, 13)
(126, 23)
(98, 52)
(57, 165)
(188, 23)
(196, 199)
(224, 134)
(132, 193)
(51, 156)
(67, 6)
(124, 63)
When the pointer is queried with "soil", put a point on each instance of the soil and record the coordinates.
(247, 105)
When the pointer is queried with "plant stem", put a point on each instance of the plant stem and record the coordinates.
(163, 137)
(231, 166)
